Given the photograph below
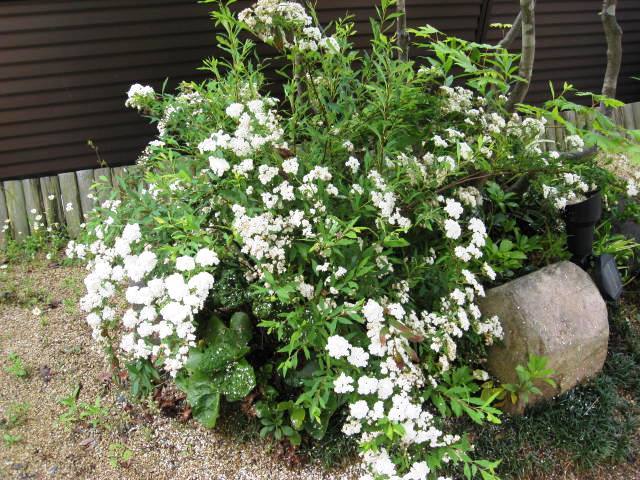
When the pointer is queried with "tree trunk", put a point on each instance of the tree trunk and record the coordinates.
(613, 34)
(527, 58)
(401, 31)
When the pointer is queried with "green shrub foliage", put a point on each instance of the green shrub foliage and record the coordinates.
(324, 246)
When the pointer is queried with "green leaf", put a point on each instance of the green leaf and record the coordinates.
(207, 410)
(241, 324)
(226, 347)
(238, 382)
(297, 417)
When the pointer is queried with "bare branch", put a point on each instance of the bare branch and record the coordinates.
(401, 31)
(512, 34)
(613, 34)
(527, 57)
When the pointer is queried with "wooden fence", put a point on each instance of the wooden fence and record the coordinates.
(62, 200)
(65, 199)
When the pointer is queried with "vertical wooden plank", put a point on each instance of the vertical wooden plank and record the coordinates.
(551, 128)
(71, 203)
(635, 107)
(571, 117)
(14, 195)
(85, 180)
(629, 121)
(4, 216)
(101, 176)
(119, 172)
(52, 200)
(33, 203)
(116, 172)
(560, 136)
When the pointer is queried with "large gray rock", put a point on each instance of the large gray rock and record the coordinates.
(556, 312)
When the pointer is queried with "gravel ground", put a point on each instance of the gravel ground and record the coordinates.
(57, 349)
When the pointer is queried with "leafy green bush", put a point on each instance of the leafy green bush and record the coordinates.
(329, 247)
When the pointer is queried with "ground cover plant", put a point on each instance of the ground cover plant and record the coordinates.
(319, 256)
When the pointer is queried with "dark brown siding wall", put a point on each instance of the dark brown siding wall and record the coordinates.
(571, 46)
(65, 65)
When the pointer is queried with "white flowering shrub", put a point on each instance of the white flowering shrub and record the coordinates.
(329, 246)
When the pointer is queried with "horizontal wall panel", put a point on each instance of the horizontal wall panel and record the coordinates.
(66, 65)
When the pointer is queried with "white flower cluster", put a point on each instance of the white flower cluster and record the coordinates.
(569, 189)
(393, 390)
(268, 19)
(159, 320)
(139, 96)
(257, 126)
(385, 201)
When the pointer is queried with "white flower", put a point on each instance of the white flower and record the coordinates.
(131, 233)
(235, 110)
(438, 141)
(359, 409)
(632, 188)
(343, 384)
(353, 163)
(306, 290)
(454, 209)
(206, 257)
(452, 229)
(340, 272)
(218, 165)
(201, 283)
(575, 142)
(164, 329)
(419, 471)
(465, 151)
(36, 311)
(266, 173)
(462, 254)
(373, 312)
(176, 287)
(290, 165)
(358, 357)
(185, 263)
(385, 388)
(396, 310)
(489, 272)
(330, 45)
(338, 346)
(175, 312)
(130, 318)
(367, 385)
(138, 95)
(477, 226)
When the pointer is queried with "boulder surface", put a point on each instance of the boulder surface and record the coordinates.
(556, 312)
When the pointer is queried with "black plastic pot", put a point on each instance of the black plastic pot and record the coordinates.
(581, 219)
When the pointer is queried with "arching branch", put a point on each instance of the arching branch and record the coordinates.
(512, 34)
(527, 57)
(401, 31)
